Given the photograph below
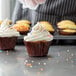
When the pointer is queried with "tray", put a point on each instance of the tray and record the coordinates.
(56, 37)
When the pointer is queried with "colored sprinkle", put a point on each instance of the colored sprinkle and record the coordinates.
(41, 69)
(1, 51)
(29, 64)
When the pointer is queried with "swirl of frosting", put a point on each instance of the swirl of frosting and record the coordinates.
(6, 31)
(38, 33)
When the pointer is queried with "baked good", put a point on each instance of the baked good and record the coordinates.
(48, 26)
(67, 32)
(23, 21)
(23, 28)
(8, 36)
(38, 41)
(64, 22)
(66, 27)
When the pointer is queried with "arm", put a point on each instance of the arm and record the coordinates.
(17, 14)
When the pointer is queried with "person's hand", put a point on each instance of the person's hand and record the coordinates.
(32, 4)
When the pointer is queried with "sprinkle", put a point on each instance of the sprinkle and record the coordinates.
(7, 52)
(41, 69)
(49, 58)
(39, 63)
(49, 35)
(26, 61)
(68, 50)
(32, 61)
(20, 58)
(1, 51)
(44, 63)
(29, 64)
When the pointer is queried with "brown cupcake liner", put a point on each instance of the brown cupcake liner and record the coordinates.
(7, 43)
(39, 48)
(52, 32)
(61, 32)
(23, 32)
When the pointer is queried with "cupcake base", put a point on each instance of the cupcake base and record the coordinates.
(23, 32)
(66, 33)
(39, 48)
(7, 43)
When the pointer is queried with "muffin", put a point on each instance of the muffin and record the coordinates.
(23, 21)
(8, 36)
(38, 41)
(66, 27)
(22, 28)
(48, 26)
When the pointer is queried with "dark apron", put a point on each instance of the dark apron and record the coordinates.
(52, 11)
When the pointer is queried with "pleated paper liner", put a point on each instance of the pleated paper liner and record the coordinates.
(7, 43)
(38, 48)
(61, 32)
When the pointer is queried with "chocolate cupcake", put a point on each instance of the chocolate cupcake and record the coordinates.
(38, 48)
(38, 41)
(7, 43)
(8, 36)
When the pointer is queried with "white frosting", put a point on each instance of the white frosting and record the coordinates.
(38, 33)
(6, 31)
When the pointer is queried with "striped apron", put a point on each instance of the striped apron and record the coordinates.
(52, 11)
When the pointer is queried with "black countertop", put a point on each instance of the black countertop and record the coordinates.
(61, 61)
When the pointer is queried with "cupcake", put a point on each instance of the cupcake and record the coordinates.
(67, 32)
(48, 26)
(66, 27)
(22, 28)
(23, 21)
(38, 41)
(8, 36)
